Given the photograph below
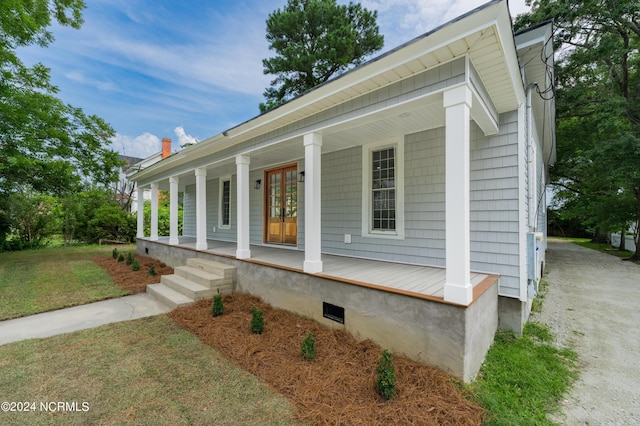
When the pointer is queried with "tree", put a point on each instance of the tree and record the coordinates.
(315, 40)
(598, 108)
(44, 144)
(112, 223)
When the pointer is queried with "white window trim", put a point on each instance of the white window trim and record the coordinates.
(222, 180)
(367, 149)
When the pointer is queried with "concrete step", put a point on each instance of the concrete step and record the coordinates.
(191, 289)
(223, 270)
(199, 276)
(168, 296)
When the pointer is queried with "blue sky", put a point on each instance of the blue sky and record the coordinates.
(188, 70)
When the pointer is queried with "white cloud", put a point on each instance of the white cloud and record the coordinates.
(141, 146)
(183, 137)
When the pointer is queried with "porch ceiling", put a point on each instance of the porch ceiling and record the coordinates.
(395, 122)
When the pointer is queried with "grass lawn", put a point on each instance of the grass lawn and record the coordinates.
(604, 248)
(523, 378)
(34, 281)
(142, 372)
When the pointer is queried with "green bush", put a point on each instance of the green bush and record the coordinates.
(114, 253)
(129, 258)
(257, 320)
(308, 347)
(120, 257)
(109, 222)
(152, 271)
(135, 266)
(218, 306)
(386, 376)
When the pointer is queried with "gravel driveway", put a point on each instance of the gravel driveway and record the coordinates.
(593, 306)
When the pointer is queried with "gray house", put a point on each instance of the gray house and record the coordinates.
(403, 201)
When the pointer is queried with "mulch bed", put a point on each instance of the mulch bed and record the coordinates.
(338, 386)
(134, 281)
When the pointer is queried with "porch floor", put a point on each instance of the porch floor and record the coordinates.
(412, 280)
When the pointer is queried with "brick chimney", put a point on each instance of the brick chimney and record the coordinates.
(166, 147)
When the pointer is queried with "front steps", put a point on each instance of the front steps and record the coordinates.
(199, 279)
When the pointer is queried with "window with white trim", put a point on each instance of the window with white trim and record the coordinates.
(224, 215)
(383, 209)
(383, 189)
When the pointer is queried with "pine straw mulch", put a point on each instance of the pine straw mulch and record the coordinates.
(338, 387)
(134, 281)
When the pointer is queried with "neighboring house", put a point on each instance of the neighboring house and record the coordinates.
(125, 190)
(404, 199)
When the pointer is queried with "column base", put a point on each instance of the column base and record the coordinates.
(243, 254)
(312, 266)
(202, 246)
(174, 241)
(460, 294)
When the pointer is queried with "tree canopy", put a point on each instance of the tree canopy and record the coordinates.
(598, 108)
(44, 144)
(315, 40)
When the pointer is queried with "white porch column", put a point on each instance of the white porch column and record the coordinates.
(154, 211)
(457, 288)
(312, 212)
(201, 209)
(173, 210)
(140, 212)
(242, 169)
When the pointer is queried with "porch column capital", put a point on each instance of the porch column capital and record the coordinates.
(312, 139)
(173, 210)
(458, 95)
(312, 204)
(242, 212)
(201, 208)
(243, 159)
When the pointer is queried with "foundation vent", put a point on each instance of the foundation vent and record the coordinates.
(333, 312)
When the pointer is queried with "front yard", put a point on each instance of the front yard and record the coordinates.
(150, 371)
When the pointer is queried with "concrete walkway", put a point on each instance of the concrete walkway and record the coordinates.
(592, 306)
(80, 317)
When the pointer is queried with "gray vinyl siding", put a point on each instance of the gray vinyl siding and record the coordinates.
(342, 200)
(494, 204)
(189, 211)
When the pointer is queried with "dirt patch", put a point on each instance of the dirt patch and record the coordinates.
(134, 281)
(338, 387)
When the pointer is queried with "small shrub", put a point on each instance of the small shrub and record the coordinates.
(386, 376)
(114, 253)
(257, 320)
(129, 258)
(135, 266)
(120, 258)
(308, 347)
(218, 306)
(152, 271)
